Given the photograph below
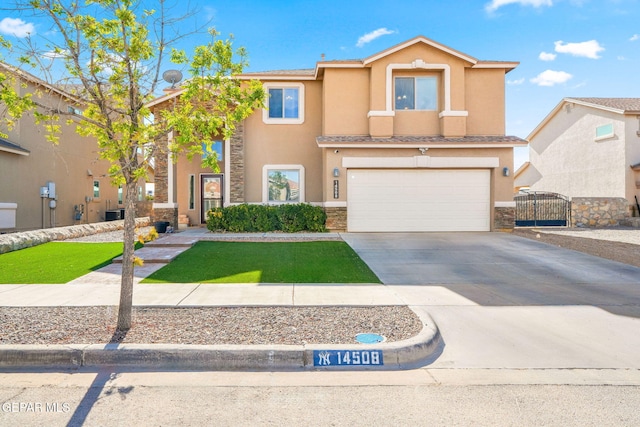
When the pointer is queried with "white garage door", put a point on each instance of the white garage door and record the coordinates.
(418, 200)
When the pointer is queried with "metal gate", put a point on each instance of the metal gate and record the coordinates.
(538, 208)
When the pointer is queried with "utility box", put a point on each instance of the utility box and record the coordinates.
(8, 215)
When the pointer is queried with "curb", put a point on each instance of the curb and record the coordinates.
(397, 355)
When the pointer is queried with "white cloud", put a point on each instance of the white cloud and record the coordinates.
(551, 78)
(589, 49)
(496, 4)
(16, 27)
(634, 37)
(515, 82)
(372, 36)
(52, 54)
(210, 13)
(545, 56)
(621, 58)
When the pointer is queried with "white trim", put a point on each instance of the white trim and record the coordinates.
(170, 177)
(464, 145)
(284, 121)
(265, 182)
(227, 169)
(277, 77)
(420, 162)
(420, 64)
(496, 65)
(504, 204)
(447, 113)
(334, 204)
(378, 113)
(165, 206)
(10, 150)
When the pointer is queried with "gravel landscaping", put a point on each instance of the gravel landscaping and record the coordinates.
(206, 325)
(618, 244)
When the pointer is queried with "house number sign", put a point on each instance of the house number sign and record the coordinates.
(336, 189)
(335, 358)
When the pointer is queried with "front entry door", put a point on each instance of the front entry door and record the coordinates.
(211, 189)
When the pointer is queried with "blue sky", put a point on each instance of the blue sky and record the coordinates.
(566, 48)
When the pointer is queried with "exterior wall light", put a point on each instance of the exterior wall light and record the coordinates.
(505, 171)
(336, 172)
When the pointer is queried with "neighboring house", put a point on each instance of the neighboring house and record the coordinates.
(409, 139)
(45, 185)
(588, 147)
(523, 178)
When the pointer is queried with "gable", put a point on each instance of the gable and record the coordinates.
(425, 45)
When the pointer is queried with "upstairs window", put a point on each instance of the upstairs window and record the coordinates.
(416, 93)
(604, 132)
(285, 104)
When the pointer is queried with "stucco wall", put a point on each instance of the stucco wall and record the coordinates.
(72, 165)
(272, 144)
(346, 101)
(570, 160)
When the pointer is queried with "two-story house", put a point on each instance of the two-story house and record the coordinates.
(410, 139)
(45, 185)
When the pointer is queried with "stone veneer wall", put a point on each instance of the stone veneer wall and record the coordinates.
(336, 219)
(25, 239)
(236, 174)
(161, 173)
(599, 211)
(504, 218)
(166, 215)
(144, 208)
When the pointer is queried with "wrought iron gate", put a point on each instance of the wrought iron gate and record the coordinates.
(538, 208)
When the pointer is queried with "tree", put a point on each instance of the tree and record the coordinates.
(113, 53)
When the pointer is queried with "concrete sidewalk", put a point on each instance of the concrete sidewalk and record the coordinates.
(102, 287)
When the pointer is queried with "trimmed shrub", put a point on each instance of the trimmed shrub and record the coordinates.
(290, 218)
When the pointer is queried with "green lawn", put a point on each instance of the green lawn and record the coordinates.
(266, 262)
(56, 262)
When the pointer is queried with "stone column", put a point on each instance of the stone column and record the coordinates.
(236, 174)
(164, 208)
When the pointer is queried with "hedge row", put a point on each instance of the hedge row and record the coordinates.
(290, 218)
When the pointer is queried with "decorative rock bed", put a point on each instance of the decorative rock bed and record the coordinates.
(25, 239)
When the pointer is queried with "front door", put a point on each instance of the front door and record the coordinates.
(211, 190)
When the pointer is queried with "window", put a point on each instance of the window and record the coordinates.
(212, 147)
(96, 189)
(285, 104)
(283, 184)
(604, 132)
(416, 93)
(120, 194)
(192, 192)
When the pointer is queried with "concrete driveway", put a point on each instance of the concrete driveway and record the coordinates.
(503, 301)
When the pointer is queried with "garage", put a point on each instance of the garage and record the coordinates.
(404, 200)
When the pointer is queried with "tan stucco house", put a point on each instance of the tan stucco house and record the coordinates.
(409, 139)
(588, 147)
(45, 185)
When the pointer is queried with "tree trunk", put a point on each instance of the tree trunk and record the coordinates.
(126, 286)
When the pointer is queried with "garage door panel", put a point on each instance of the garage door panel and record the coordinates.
(418, 200)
